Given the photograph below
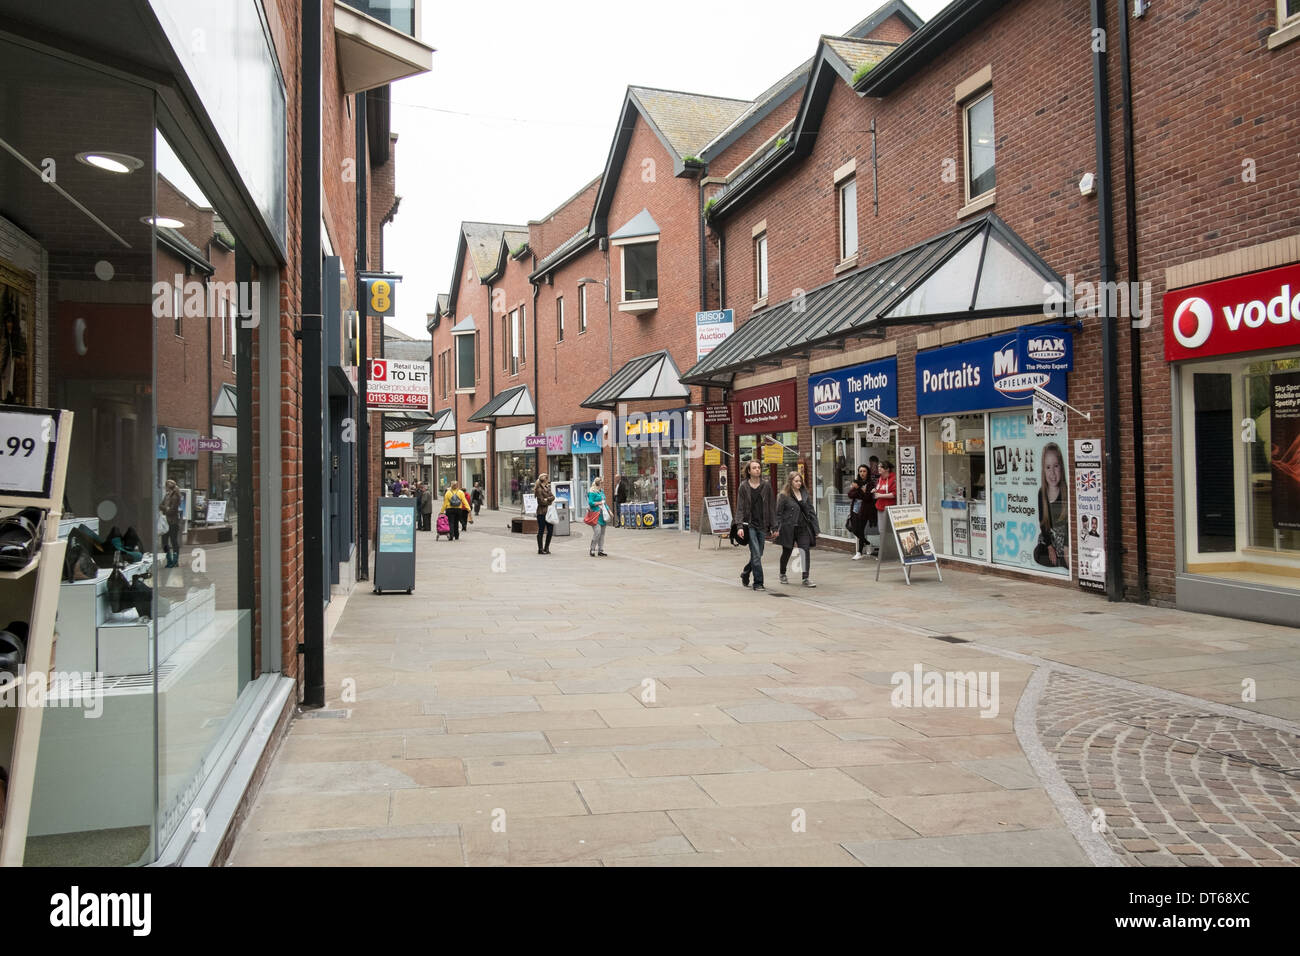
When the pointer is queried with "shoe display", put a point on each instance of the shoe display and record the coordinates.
(13, 649)
(20, 538)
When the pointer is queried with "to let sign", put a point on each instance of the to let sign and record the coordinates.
(395, 385)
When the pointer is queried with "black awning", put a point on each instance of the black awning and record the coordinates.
(645, 378)
(976, 270)
(443, 421)
(405, 421)
(512, 403)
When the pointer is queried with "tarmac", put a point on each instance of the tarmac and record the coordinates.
(644, 709)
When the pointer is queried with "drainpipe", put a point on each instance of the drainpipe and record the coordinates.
(490, 466)
(1109, 362)
(1134, 336)
(313, 646)
(363, 363)
(537, 397)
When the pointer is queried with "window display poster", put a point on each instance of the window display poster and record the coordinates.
(907, 475)
(1088, 502)
(912, 534)
(1284, 433)
(960, 538)
(1031, 498)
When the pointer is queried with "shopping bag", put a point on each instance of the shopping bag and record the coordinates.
(163, 526)
(552, 514)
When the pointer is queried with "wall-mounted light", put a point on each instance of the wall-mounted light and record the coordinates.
(1140, 8)
(1088, 184)
(110, 162)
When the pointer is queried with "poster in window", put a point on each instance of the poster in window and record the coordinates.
(1030, 513)
(1284, 434)
(17, 343)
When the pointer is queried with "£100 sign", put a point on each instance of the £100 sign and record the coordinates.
(1243, 314)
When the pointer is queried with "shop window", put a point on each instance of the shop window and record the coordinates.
(466, 360)
(760, 267)
(640, 272)
(1273, 457)
(848, 203)
(559, 318)
(1216, 513)
(981, 176)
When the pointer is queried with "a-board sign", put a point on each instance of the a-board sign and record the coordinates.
(27, 440)
(719, 510)
(530, 504)
(907, 540)
(216, 512)
(395, 545)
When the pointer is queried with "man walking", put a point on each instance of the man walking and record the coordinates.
(620, 498)
(756, 514)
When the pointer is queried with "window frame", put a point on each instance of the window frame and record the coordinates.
(842, 188)
(969, 104)
(636, 305)
(523, 335)
(472, 335)
(514, 347)
(582, 309)
(760, 266)
(1286, 19)
(505, 341)
(178, 311)
(559, 318)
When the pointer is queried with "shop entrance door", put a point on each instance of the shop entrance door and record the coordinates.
(670, 491)
(589, 469)
(865, 447)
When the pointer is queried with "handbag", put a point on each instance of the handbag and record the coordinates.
(591, 518)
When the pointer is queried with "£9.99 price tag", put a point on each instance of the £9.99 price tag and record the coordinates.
(26, 442)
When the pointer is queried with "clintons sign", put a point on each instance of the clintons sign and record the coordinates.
(765, 409)
(1244, 314)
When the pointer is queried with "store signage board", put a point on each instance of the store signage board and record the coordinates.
(980, 375)
(398, 386)
(530, 504)
(1092, 518)
(712, 456)
(712, 329)
(395, 551)
(717, 414)
(718, 509)
(661, 428)
(766, 408)
(1049, 414)
(399, 445)
(586, 438)
(846, 395)
(1243, 314)
(907, 475)
(908, 540)
(535, 441)
(28, 437)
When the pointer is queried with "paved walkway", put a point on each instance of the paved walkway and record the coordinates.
(644, 709)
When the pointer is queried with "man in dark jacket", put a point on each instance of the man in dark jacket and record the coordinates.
(756, 514)
(620, 498)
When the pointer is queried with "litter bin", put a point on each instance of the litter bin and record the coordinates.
(563, 516)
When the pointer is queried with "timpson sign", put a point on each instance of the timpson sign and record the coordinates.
(765, 408)
(1243, 314)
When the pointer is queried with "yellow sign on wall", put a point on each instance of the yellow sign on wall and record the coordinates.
(773, 454)
(712, 456)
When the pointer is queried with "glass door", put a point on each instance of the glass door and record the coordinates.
(670, 491)
(867, 447)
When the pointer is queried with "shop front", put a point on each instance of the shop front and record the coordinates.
(996, 486)
(559, 454)
(838, 403)
(516, 465)
(1234, 348)
(473, 461)
(766, 423)
(444, 458)
(653, 461)
(587, 443)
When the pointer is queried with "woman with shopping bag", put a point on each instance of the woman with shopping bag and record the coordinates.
(546, 518)
(456, 506)
(597, 513)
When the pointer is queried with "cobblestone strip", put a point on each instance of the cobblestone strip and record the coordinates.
(1174, 786)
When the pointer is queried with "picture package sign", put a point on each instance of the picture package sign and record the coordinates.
(27, 441)
(911, 534)
(1284, 434)
(719, 509)
(398, 385)
(1029, 492)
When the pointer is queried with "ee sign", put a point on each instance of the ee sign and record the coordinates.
(382, 297)
(395, 385)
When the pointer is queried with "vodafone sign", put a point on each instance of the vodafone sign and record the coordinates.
(1245, 314)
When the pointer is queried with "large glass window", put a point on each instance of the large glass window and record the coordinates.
(848, 192)
(465, 360)
(956, 497)
(515, 477)
(640, 271)
(980, 170)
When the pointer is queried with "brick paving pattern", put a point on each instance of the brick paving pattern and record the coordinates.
(1175, 787)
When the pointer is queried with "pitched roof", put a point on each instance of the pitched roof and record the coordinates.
(687, 120)
(855, 53)
(483, 243)
(562, 251)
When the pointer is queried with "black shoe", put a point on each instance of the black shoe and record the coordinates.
(744, 579)
(602, 554)
(546, 551)
(759, 587)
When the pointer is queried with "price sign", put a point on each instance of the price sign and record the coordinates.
(27, 440)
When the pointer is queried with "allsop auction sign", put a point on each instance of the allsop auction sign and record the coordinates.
(397, 386)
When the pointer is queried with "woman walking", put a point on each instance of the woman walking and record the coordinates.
(596, 503)
(426, 507)
(456, 505)
(796, 525)
(171, 509)
(862, 510)
(542, 491)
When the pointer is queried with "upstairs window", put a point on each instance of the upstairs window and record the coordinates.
(523, 335)
(515, 340)
(559, 318)
(505, 342)
(760, 267)
(848, 191)
(981, 174)
(582, 309)
(466, 360)
(640, 271)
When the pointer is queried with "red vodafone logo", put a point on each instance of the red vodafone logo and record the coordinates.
(1244, 314)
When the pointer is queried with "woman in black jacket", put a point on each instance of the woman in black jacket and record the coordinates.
(862, 509)
(796, 525)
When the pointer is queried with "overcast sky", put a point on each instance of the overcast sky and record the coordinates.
(519, 110)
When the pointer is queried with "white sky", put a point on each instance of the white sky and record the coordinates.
(519, 110)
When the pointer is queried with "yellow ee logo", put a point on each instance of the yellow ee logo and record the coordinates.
(381, 297)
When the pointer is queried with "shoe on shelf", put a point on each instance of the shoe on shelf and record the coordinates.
(784, 579)
(857, 555)
(808, 584)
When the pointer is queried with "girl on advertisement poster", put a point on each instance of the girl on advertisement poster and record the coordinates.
(1053, 545)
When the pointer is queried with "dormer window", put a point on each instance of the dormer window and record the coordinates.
(638, 244)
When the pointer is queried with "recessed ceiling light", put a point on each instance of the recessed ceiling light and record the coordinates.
(110, 162)
(162, 221)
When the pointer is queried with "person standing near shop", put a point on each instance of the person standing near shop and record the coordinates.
(171, 510)
(542, 491)
(476, 497)
(596, 503)
(885, 492)
(862, 510)
(456, 506)
(620, 498)
(426, 507)
(796, 525)
(756, 515)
